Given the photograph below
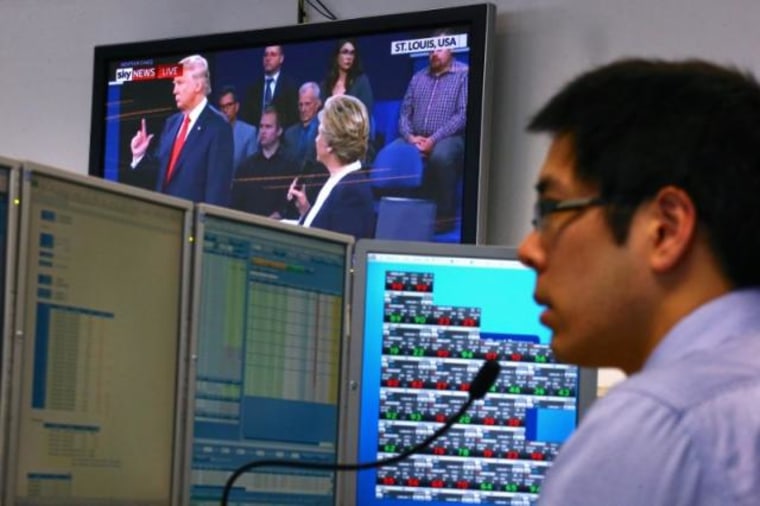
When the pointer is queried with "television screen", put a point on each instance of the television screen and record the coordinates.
(101, 306)
(270, 310)
(422, 77)
(424, 319)
(8, 250)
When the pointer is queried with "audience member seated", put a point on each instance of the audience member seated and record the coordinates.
(299, 138)
(432, 118)
(243, 134)
(261, 182)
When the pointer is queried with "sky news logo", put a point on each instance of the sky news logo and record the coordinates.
(124, 74)
(129, 74)
(458, 41)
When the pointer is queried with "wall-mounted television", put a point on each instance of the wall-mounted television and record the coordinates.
(422, 76)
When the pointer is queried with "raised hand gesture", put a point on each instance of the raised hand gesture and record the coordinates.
(141, 141)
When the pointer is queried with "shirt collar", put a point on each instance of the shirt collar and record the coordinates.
(709, 325)
(196, 111)
(345, 170)
(324, 192)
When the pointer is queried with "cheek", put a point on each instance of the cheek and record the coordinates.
(598, 311)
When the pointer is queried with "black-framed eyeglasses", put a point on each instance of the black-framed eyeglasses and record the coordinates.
(546, 207)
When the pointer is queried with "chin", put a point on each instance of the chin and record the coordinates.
(562, 351)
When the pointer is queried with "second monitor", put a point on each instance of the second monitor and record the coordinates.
(270, 303)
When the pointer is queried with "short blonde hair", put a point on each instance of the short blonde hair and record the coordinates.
(345, 127)
(197, 66)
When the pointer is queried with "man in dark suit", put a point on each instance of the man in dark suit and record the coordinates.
(274, 89)
(194, 158)
(299, 138)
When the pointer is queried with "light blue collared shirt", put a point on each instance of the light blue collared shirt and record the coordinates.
(244, 141)
(685, 430)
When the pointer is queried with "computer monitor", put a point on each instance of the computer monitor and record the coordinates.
(100, 347)
(424, 318)
(8, 244)
(132, 83)
(269, 331)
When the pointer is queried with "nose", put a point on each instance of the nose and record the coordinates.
(531, 252)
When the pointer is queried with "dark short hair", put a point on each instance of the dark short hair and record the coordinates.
(271, 109)
(229, 89)
(639, 125)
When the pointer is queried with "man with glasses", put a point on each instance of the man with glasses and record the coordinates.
(243, 134)
(646, 246)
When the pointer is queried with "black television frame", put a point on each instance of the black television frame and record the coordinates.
(479, 18)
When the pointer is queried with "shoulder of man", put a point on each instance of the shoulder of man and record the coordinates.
(459, 67)
(211, 114)
(286, 81)
(244, 126)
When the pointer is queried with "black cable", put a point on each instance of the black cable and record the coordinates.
(322, 4)
(480, 385)
(301, 12)
(322, 9)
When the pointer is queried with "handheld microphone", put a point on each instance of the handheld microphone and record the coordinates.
(483, 381)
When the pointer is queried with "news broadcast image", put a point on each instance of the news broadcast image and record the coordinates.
(141, 89)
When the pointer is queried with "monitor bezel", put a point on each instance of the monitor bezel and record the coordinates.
(28, 169)
(587, 378)
(480, 17)
(207, 210)
(12, 167)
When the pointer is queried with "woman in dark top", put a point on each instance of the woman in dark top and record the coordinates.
(345, 202)
(346, 75)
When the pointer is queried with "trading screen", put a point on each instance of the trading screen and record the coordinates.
(96, 419)
(429, 323)
(270, 332)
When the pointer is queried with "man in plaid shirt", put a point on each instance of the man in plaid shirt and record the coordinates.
(432, 118)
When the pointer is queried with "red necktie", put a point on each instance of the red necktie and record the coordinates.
(178, 143)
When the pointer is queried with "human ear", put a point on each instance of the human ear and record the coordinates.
(674, 222)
